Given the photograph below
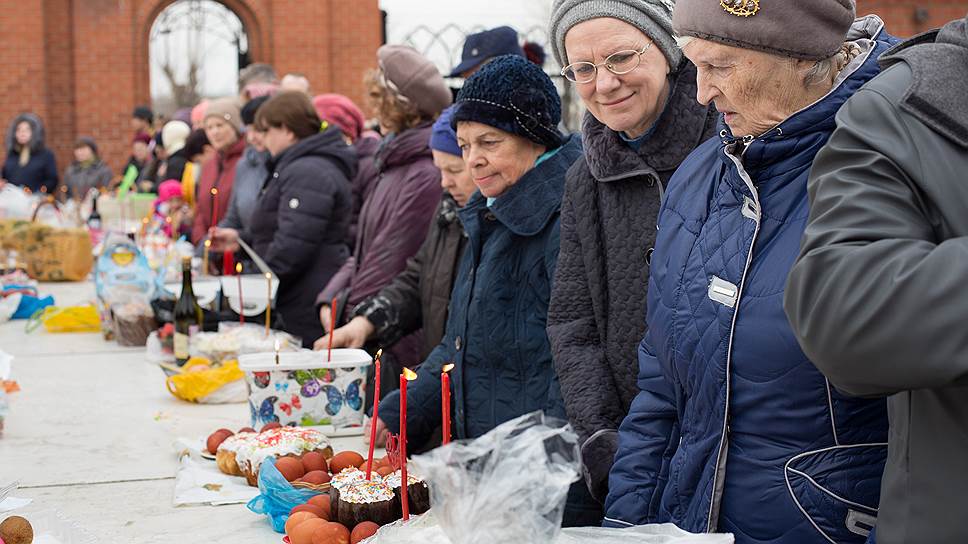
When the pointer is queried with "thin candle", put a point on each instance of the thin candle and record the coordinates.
(376, 411)
(238, 275)
(214, 207)
(332, 327)
(407, 376)
(268, 300)
(276, 345)
(208, 245)
(445, 401)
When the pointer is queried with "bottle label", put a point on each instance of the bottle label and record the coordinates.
(181, 346)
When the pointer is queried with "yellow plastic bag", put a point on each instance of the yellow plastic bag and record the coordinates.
(68, 319)
(195, 386)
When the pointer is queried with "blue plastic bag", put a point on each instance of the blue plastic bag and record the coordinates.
(277, 496)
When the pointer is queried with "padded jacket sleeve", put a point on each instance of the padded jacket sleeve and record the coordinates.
(647, 439)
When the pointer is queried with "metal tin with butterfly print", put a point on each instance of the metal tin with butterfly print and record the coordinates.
(301, 388)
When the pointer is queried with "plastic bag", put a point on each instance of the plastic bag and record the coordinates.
(204, 386)
(426, 530)
(480, 494)
(277, 496)
(70, 319)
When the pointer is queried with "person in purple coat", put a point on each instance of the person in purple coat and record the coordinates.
(407, 93)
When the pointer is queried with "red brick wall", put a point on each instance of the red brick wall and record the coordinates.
(902, 16)
(82, 65)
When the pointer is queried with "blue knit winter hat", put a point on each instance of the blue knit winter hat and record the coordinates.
(512, 94)
(443, 138)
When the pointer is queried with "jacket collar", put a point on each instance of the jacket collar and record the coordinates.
(527, 207)
(677, 132)
(943, 51)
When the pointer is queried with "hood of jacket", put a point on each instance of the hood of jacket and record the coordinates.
(677, 132)
(404, 148)
(938, 51)
(37, 137)
(328, 144)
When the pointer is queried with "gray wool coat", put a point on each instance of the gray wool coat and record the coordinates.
(596, 316)
(877, 296)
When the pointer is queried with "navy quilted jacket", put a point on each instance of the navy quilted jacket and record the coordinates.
(495, 331)
(734, 430)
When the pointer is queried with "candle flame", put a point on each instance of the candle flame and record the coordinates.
(379, 353)
(214, 191)
(238, 268)
(448, 367)
(208, 243)
(277, 345)
(168, 219)
(145, 220)
(410, 375)
(269, 276)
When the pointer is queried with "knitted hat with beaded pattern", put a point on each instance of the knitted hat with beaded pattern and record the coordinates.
(512, 94)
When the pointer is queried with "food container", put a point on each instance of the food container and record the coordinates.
(301, 388)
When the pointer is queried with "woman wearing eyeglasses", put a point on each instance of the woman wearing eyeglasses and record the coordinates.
(642, 121)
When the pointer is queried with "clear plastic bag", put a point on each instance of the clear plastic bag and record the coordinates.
(277, 496)
(509, 485)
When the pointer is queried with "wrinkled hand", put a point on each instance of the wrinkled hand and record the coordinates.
(352, 335)
(224, 239)
(381, 433)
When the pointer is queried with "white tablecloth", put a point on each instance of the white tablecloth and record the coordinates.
(91, 434)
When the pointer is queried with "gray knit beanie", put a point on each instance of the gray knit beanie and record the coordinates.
(653, 17)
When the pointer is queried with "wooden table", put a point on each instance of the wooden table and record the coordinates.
(91, 436)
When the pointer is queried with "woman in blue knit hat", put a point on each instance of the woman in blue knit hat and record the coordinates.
(506, 120)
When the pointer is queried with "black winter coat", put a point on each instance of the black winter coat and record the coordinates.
(419, 296)
(608, 225)
(299, 225)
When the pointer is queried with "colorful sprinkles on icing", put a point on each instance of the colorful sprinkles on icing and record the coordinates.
(364, 492)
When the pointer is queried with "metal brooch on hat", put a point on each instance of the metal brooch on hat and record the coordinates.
(741, 8)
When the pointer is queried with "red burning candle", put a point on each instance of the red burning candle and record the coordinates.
(376, 411)
(407, 376)
(238, 275)
(332, 327)
(445, 401)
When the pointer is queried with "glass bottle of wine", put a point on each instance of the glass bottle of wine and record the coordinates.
(188, 314)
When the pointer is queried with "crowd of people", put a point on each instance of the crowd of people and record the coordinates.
(743, 264)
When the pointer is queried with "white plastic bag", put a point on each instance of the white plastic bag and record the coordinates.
(509, 485)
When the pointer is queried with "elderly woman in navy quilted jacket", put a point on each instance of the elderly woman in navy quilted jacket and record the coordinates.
(734, 430)
(506, 118)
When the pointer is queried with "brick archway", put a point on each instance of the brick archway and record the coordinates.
(249, 12)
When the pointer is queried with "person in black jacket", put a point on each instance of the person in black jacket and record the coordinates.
(418, 297)
(29, 163)
(299, 224)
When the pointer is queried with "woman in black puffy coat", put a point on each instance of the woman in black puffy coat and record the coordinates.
(301, 219)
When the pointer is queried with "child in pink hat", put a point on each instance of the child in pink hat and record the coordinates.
(171, 203)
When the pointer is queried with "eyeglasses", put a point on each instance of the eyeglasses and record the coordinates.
(618, 63)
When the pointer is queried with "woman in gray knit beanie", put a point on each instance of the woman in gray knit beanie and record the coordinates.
(642, 122)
